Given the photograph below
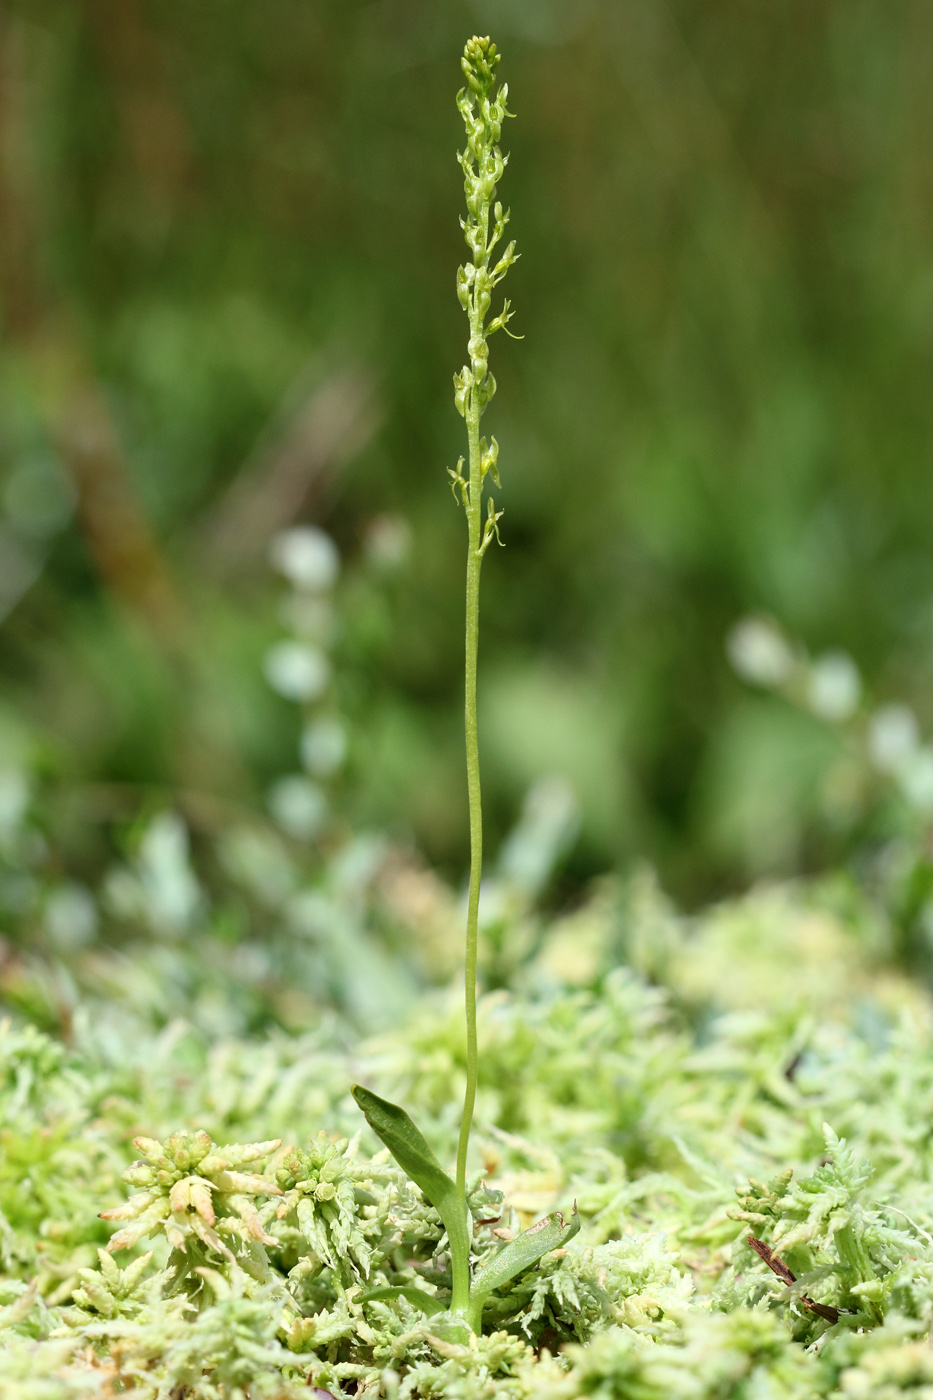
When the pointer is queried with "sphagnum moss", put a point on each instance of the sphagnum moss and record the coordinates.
(483, 108)
(321, 1262)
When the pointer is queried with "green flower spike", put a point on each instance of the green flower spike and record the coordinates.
(483, 165)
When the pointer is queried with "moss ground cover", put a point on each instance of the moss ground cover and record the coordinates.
(188, 1214)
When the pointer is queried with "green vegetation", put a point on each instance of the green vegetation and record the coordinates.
(483, 112)
(760, 1073)
(736, 1102)
(682, 1123)
(483, 165)
(226, 261)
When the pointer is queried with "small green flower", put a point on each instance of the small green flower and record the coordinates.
(483, 165)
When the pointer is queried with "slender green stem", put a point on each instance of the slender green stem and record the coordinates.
(483, 164)
(474, 563)
(460, 1259)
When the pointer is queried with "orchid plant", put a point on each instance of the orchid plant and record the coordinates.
(483, 108)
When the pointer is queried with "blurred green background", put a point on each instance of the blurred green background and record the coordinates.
(228, 242)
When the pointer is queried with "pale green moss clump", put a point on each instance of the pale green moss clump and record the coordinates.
(248, 1270)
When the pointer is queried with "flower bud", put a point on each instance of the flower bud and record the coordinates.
(489, 459)
(463, 288)
(463, 382)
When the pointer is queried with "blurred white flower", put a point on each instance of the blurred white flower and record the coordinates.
(307, 557)
(298, 806)
(759, 653)
(323, 746)
(70, 917)
(171, 886)
(160, 888)
(893, 737)
(297, 670)
(834, 686)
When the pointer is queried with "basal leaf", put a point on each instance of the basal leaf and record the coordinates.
(520, 1254)
(393, 1127)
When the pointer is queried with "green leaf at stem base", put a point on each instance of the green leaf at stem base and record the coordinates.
(517, 1256)
(395, 1129)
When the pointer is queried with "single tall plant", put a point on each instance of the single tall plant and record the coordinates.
(483, 111)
